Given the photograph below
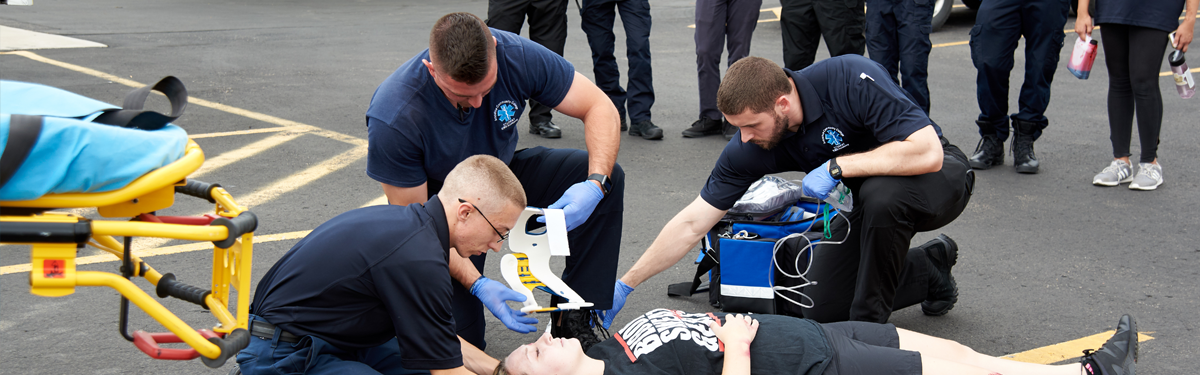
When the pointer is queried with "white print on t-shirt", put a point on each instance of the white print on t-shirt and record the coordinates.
(661, 326)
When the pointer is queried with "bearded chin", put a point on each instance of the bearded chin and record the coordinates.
(776, 134)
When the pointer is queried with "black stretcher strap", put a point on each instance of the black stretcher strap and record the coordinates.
(131, 115)
(23, 132)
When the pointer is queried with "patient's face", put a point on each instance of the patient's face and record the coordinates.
(546, 356)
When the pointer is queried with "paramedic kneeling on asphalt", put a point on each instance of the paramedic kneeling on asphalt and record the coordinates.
(463, 96)
(840, 119)
(369, 291)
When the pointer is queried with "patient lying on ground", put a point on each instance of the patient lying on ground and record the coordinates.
(666, 341)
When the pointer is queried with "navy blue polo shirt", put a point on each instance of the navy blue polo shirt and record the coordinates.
(850, 105)
(366, 276)
(416, 134)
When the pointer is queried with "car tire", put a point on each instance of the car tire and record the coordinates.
(973, 4)
(941, 13)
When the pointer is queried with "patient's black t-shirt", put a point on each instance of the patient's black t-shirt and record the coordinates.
(672, 342)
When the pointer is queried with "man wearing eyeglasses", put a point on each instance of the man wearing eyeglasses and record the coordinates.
(463, 96)
(338, 301)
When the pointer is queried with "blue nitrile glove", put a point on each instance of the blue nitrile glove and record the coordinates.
(620, 291)
(577, 203)
(818, 183)
(493, 294)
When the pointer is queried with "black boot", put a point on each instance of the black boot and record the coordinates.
(545, 129)
(942, 253)
(990, 151)
(1022, 146)
(702, 127)
(646, 130)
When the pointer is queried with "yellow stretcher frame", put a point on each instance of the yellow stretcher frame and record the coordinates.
(54, 274)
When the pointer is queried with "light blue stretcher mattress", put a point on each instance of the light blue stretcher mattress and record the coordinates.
(76, 156)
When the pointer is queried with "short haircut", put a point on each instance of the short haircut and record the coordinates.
(485, 181)
(752, 83)
(460, 46)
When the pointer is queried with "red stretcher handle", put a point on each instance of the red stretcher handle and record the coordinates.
(148, 343)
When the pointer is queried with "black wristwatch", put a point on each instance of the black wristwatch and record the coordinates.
(605, 185)
(835, 170)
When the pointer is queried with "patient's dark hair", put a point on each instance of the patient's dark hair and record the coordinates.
(460, 46)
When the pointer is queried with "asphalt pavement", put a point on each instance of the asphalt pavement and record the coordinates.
(1044, 258)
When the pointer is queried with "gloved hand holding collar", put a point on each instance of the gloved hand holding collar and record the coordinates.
(620, 292)
(577, 203)
(493, 294)
(818, 182)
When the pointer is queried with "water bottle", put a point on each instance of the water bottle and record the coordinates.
(1183, 77)
(1082, 57)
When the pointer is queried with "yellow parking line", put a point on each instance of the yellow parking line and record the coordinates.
(776, 10)
(279, 121)
(1067, 350)
(291, 130)
(245, 132)
(290, 183)
(197, 101)
(244, 152)
(279, 187)
(951, 44)
(77, 68)
(196, 246)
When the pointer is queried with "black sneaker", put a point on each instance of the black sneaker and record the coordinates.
(646, 129)
(577, 324)
(1118, 355)
(943, 290)
(624, 125)
(545, 129)
(703, 127)
(728, 130)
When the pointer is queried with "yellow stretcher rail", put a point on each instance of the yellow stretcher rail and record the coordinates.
(55, 237)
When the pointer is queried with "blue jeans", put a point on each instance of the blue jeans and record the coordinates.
(898, 38)
(999, 24)
(597, 22)
(314, 356)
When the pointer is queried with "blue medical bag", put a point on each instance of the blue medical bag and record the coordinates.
(753, 264)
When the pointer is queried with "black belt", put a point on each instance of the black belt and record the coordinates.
(266, 331)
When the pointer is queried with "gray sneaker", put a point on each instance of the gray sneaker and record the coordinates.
(1119, 172)
(1148, 177)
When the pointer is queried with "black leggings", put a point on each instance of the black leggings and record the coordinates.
(1133, 56)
